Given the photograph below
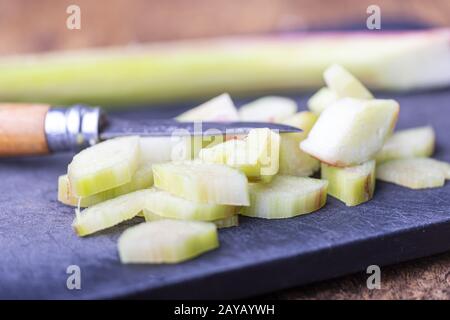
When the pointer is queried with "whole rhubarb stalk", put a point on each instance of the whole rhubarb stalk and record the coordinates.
(166, 72)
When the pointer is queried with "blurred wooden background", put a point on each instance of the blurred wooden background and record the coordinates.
(39, 25)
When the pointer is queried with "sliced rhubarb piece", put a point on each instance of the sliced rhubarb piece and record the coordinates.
(344, 84)
(268, 109)
(285, 197)
(220, 108)
(414, 173)
(167, 241)
(257, 155)
(195, 144)
(160, 149)
(104, 166)
(202, 182)
(110, 213)
(409, 143)
(351, 131)
(321, 100)
(229, 221)
(167, 205)
(142, 178)
(304, 120)
(352, 185)
(294, 161)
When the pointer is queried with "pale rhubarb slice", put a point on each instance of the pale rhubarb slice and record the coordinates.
(304, 120)
(104, 166)
(409, 143)
(257, 155)
(161, 149)
(166, 241)
(175, 148)
(294, 161)
(285, 197)
(351, 131)
(194, 144)
(268, 109)
(229, 221)
(110, 213)
(167, 205)
(220, 108)
(142, 178)
(202, 182)
(344, 84)
(414, 173)
(352, 185)
(321, 100)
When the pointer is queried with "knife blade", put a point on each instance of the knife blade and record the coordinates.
(119, 127)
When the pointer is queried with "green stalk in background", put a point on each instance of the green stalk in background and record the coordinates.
(200, 68)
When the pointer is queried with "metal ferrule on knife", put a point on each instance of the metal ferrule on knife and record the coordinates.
(73, 128)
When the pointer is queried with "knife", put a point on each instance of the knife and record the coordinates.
(33, 129)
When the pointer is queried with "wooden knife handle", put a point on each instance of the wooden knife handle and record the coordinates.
(22, 129)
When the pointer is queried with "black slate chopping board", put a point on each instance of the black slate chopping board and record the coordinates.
(37, 243)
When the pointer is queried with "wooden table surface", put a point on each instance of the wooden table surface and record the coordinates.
(426, 278)
(32, 26)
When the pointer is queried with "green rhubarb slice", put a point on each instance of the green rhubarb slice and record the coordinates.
(175, 148)
(344, 84)
(167, 241)
(110, 213)
(304, 120)
(104, 166)
(167, 205)
(414, 173)
(220, 108)
(202, 182)
(229, 221)
(351, 131)
(321, 100)
(294, 161)
(268, 109)
(285, 197)
(262, 148)
(160, 149)
(194, 144)
(142, 178)
(352, 185)
(257, 155)
(409, 143)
